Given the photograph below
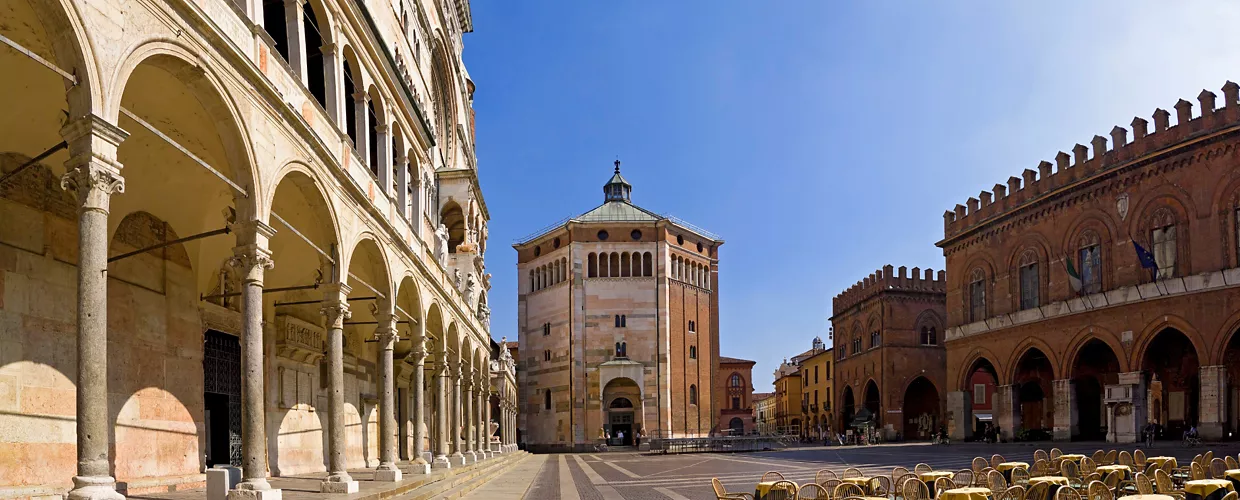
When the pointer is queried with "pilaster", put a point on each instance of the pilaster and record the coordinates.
(1065, 410)
(1213, 402)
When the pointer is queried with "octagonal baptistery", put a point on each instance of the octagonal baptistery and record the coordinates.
(617, 312)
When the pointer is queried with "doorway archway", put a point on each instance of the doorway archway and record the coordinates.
(873, 402)
(921, 409)
(1032, 380)
(1171, 367)
(737, 426)
(623, 417)
(849, 408)
(1095, 366)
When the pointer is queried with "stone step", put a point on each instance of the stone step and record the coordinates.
(444, 480)
(461, 490)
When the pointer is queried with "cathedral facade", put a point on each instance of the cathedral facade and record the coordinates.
(619, 337)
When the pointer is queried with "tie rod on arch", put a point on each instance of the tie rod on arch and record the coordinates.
(304, 302)
(198, 236)
(32, 161)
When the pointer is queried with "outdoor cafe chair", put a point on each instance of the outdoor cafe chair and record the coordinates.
(915, 490)
(722, 494)
(1125, 458)
(830, 484)
(920, 468)
(1209, 456)
(772, 476)
(1144, 485)
(881, 486)
(1138, 457)
(1088, 466)
(848, 490)
(898, 472)
(1020, 476)
(1218, 468)
(1231, 462)
(996, 482)
(996, 459)
(782, 490)
(979, 463)
(823, 475)
(1231, 495)
(1055, 453)
(1196, 471)
(1012, 493)
(1040, 454)
(1040, 468)
(943, 484)
(1067, 494)
(1099, 457)
(963, 477)
(1098, 491)
(813, 491)
(852, 472)
(1038, 491)
(1110, 458)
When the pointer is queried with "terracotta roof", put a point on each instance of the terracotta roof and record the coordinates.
(511, 345)
(725, 359)
(759, 396)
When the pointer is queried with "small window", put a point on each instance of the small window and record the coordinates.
(736, 403)
(735, 381)
(636, 235)
(692, 326)
(1029, 280)
(624, 321)
(979, 394)
(680, 240)
(602, 235)
(699, 247)
(547, 355)
(622, 350)
(692, 394)
(546, 329)
(547, 399)
(556, 243)
(617, 322)
(692, 352)
(977, 295)
(874, 337)
(537, 251)
(815, 374)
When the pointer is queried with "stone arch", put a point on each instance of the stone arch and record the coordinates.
(1025, 346)
(922, 408)
(444, 96)
(354, 81)
(975, 357)
(1230, 327)
(983, 266)
(1093, 333)
(1147, 334)
(1171, 367)
(1094, 365)
(453, 218)
(298, 196)
(186, 68)
(1032, 373)
(848, 406)
(1226, 203)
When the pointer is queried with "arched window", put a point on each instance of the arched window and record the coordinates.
(626, 265)
(547, 355)
(624, 321)
(929, 335)
(603, 268)
(735, 381)
(615, 265)
(546, 329)
(977, 295)
(1090, 258)
(352, 80)
(592, 264)
(874, 338)
(372, 135)
(1028, 270)
(617, 321)
(692, 352)
(856, 347)
(564, 273)
(692, 394)
(547, 399)
(647, 265)
(692, 326)
(622, 350)
(1163, 239)
(532, 280)
(315, 69)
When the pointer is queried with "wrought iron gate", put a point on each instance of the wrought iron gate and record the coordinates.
(221, 365)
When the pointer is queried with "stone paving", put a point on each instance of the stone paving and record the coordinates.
(633, 476)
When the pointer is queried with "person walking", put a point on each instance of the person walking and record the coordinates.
(637, 439)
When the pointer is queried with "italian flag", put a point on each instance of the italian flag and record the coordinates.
(1074, 279)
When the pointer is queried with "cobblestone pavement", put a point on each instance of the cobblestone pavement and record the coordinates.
(633, 476)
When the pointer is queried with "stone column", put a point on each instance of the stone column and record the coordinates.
(293, 12)
(402, 185)
(441, 413)
(960, 415)
(93, 175)
(252, 260)
(484, 425)
(335, 312)
(1007, 399)
(1213, 406)
(1065, 410)
(384, 168)
(467, 422)
(333, 85)
(362, 145)
(386, 334)
(416, 386)
(458, 457)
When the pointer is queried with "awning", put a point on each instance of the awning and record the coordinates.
(984, 417)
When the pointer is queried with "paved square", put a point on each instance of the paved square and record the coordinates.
(632, 476)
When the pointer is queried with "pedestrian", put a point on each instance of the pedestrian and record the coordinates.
(620, 437)
(637, 439)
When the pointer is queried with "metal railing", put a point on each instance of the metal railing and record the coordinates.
(722, 444)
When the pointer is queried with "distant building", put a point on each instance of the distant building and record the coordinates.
(764, 412)
(617, 312)
(792, 415)
(735, 403)
(890, 360)
(817, 391)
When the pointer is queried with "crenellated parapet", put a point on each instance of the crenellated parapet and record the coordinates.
(890, 279)
(1107, 155)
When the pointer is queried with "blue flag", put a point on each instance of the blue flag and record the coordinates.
(1146, 258)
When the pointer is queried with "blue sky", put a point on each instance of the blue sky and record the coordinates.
(821, 139)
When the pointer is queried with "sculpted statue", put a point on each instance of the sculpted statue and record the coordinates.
(471, 289)
(456, 279)
(441, 243)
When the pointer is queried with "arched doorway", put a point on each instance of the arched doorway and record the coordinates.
(1096, 366)
(921, 409)
(737, 426)
(1032, 381)
(1231, 360)
(1171, 367)
(621, 397)
(872, 402)
(849, 409)
(981, 383)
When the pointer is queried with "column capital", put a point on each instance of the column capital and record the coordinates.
(360, 97)
(92, 139)
(336, 312)
(252, 261)
(93, 183)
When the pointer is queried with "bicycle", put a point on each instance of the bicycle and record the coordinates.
(1190, 441)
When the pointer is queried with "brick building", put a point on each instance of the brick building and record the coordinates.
(735, 400)
(889, 355)
(617, 312)
(1046, 293)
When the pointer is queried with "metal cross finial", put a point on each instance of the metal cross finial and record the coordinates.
(617, 166)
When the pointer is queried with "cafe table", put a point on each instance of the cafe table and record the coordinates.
(930, 477)
(1072, 457)
(1162, 460)
(1006, 469)
(864, 482)
(1233, 475)
(763, 489)
(1124, 471)
(966, 494)
(1147, 497)
(1055, 482)
(1207, 489)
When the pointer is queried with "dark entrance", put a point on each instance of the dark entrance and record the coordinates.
(1171, 369)
(737, 426)
(1095, 367)
(620, 416)
(221, 368)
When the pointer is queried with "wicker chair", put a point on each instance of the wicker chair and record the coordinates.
(1197, 458)
(813, 491)
(1041, 455)
(979, 463)
(1088, 466)
(996, 459)
(1208, 457)
(1165, 486)
(1231, 462)
(899, 483)
(1068, 469)
(782, 490)
(1040, 468)
(771, 476)
(1138, 457)
(722, 494)
(963, 477)
(1038, 491)
(1091, 478)
(881, 486)
(1055, 453)
(1020, 477)
(1099, 457)
(1150, 467)
(1144, 485)
(915, 490)
(1012, 493)
(823, 475)
(852, 472)
(830, 484)
(1125, 458)
(1196, 471)
(1067, 494)
(943, 484)
(898, 472)
(1098, 491)
(1231, 495)
(848, 490)
(1218, 469)
(920, 468)
(1109, 459)
(1112, 479)
(996, 482)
